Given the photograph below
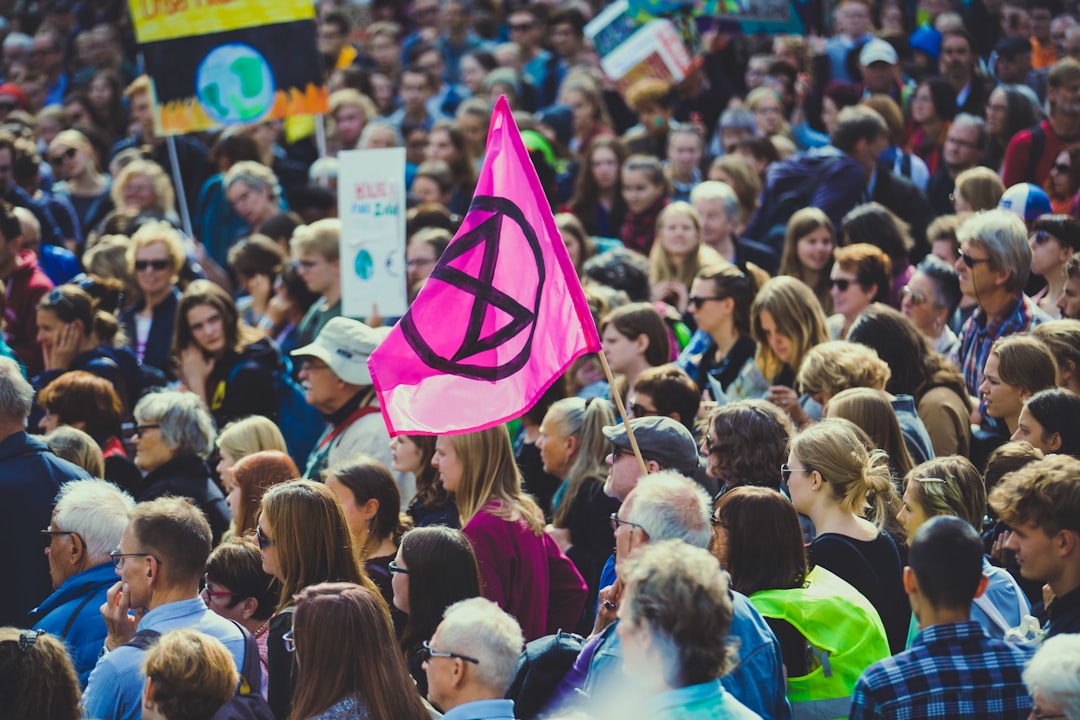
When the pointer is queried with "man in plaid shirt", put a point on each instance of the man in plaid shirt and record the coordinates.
(953, 669)
(994, 265)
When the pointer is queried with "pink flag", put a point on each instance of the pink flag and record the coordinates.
(501, 317)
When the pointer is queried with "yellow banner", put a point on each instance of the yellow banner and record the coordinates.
(168, 19)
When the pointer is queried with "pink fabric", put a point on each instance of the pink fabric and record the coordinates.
(502, 316)
(527, 576)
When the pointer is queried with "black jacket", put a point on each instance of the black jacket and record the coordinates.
(905, 199)
(188, 476)
(245, 384)
(158, 352)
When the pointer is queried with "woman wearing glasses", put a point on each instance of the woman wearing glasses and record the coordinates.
(1054, 239)
(435, 567)
(304, 539)
(523, 569)
(365, 676)
(155, 256)
(831, 479)
(720, 301)
(81, 181)
(929, 300)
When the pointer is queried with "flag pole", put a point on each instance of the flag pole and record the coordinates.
(617, 397)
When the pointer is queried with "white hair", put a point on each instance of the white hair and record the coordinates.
(716, 190)
(186, 426)
(19, 40)
(16, 394)
(478, 628)
(670, 506)
(98, 511)
(1055, 672)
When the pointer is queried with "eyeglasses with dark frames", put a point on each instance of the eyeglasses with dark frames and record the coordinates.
(118, 557)
(638, 410)
(841, 284)
(971, 262)
(699, 300)
(47, 535)
(616, 521)
(393, 567)
(61, 157)
(260, 537)
(431, 652)
(140, 429)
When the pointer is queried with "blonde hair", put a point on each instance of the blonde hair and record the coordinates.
(949, 486)
(489, 472)
(250, 435)
(77, 447)
(869, 408)
(193, 674)
(158, 231)
(321, 237)
(797, 314)
(858, 480)
(836, 365)
(981, 187)
(349, 97)
(164, 196)
(584, 420)
(662, 266)
(75, 139)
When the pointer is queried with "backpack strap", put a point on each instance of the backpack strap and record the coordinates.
(251, 670)
(905, 164)
(143, 639)
(992, 612)
(1035, 151)
(75, 615)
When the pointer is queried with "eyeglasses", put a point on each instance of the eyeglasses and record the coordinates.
(709, 447)
(141, 429)
(785, 471)
(431, 652)
(260, 537)
(521, 27)
(962, 143)
(616, 521)
(971, 262)
(47, 535)
(1041, 237)
(1060, 167)
(841, 284)
(641, 411)
(393, 567)
(215, 593)
(66, 155)
(157, 265)
(118, 557)
(717, 522)
(917, 298)
(697, 301)
(290, 642)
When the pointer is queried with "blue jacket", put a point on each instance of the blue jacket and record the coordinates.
(73, 614)
(30, 477)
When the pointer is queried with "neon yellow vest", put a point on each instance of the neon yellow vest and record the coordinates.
(845, 635)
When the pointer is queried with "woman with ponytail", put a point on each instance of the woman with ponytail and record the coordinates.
(848, 494)
(573, 447)
(75, 335)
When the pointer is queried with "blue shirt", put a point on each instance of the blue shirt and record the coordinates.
(951, 671)
(697, 702)
(482, 710)
(116, 684)
(980, 332)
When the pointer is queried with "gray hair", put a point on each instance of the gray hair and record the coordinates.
(1005, 238)
(16, 394)
(98, 511)
(186, 426)
(76, 447)
(1055, 672)
(323, 170)
(671, 506)
(738, 118)
(380, 124)
(255, 175)
(969, 120)
(946, 282)
(716, 190)
(478, 628)
(19, 40)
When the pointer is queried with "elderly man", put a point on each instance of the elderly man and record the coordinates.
(89, 518)
(668, 506)
(30, 477)
(965, 145)
(160, 559)
(994, 264)
(471, 661)
(719, 209)
(337, 382)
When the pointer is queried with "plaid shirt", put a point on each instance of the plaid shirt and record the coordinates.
(950, 671)
(978, 334)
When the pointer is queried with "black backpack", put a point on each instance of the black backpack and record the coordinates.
(247, 704)
(542, 666)
(793, 194)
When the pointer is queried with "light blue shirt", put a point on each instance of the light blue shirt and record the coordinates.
(698, 702)
(483, 710)
(115, 689)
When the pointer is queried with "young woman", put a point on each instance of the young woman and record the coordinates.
(859, 277)
(431, 505)
(870, 410)
(81, 181)
(678, 254)
(241, 438)
(583, 95)
(634, 337)
(1054, 239)
(229, 365)
(1008, 111)
(305, 540)
(645, 189)
(522, 567)
(579, 246)
(434, 568)
(933, 107)
(155, 258)
(251, 477)
(786, 321)
(106, 94)
(350, 111)
(257, 262)
(598, 199)
(1064, 180)
(40, 675)
(573, 447)
(832, 479)
(808, 252)
(1016, 368)
(1047, 422)
(422, 252)
(366, 676)
(977, 189)
(720, 301)
(768, 112)
(447, 143)
(370, 498)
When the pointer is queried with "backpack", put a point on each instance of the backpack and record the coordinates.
(542, 666)
(247, 704)
(1035, 151)
(793, 193)
(300, 423)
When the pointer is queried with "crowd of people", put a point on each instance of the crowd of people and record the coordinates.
(835, 471)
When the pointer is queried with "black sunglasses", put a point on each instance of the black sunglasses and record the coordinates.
(641, 411)
(697, 301)
(972, 262)
(158, 265)
(1041, 237)
(66, 155)
(842, 284)
(785, 472)
(616, 521)
(264, 542)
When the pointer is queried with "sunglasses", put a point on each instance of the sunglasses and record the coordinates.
(260, 537)
(917, 298)
(972, 262)
(393, 567)
(156, 265)
(66, 155)
(641, 411)
(785, 472)
(1041, 237)
(841, 284)
(697, 302)
(1060, 167)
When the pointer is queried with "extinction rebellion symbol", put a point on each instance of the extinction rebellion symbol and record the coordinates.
(485, 238)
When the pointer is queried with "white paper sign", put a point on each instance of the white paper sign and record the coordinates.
(371, 205)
